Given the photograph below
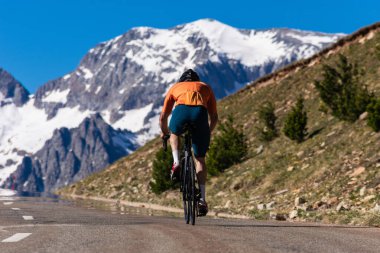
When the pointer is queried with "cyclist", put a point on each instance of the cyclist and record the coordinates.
(194, 101)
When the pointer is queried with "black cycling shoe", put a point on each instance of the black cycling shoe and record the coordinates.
(202, 208)
(174, 173)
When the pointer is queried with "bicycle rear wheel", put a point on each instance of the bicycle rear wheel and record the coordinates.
(192, 197)
(185, 192)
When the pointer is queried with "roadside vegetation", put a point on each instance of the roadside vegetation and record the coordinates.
(162, 164)
(374, 114)
(296, 121)
(343, 90)
(228, 147)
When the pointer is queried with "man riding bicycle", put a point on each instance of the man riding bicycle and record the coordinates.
(194, 102)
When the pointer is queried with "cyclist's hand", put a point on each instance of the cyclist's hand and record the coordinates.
(164, 136)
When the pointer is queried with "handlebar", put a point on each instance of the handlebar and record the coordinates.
(164, 142)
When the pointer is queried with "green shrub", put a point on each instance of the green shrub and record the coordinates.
(227, 148)
(161, 171)
(295, 122)
(342, 90)
(268, 119)
(373, 110)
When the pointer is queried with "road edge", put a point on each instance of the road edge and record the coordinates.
(153, 206)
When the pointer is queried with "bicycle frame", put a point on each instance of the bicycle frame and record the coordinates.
(188, 182)
(187, 179)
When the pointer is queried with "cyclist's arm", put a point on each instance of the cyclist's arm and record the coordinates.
(164, 123)
(212, 111)
(213, 121)
(166, 110)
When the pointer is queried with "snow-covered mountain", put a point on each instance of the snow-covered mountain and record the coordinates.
(125, 79)
(70, 155)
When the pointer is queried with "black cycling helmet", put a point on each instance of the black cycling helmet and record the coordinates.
(189, 75)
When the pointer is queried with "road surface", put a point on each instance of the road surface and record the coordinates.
(46, 225)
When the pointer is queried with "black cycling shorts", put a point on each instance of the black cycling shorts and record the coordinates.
(196, 116)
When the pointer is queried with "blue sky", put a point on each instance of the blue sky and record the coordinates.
(41, 40)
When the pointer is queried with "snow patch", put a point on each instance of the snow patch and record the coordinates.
(133, 120)
(251, 49)
(66, 76)
(98, 89)
(56, 96)
(87, 73)
(26, 129)
(314, 39)
(106, 115)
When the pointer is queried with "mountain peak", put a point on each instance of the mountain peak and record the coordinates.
(207, 26)
(206, 21)
(12, 89)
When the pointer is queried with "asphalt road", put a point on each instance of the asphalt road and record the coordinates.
(45, 225)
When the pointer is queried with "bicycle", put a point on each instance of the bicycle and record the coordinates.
(187, 176)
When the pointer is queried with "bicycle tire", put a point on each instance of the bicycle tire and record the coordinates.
(192, 199)
(185, 193)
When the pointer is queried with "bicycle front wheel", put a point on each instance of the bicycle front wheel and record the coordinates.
(192, 197)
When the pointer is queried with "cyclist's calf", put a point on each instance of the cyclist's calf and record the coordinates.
(200, 166)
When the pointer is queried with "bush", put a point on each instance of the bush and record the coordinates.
(295, 122)
(227, 148)
(161, 171)
(267, 117)
(342, 90)
(373, 110)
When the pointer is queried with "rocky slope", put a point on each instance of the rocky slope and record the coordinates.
(11, 90)
(124, 80)
(331, 177)
(71, 155)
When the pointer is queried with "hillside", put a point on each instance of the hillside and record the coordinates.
(333, 176)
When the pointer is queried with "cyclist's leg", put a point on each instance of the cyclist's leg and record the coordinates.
(202, 176)
(201, 141)
(176, 124)
(200, 166)
(200, 136)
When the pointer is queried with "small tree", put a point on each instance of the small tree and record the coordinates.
(373, 110)
(342, 90)
(161, 171)
(227, 148)
(268, 119)
(296, 121)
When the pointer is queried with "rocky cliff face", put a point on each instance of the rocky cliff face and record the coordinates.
(71, 155)
(11, 90)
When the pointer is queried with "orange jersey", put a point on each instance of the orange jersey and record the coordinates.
(190, 93)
